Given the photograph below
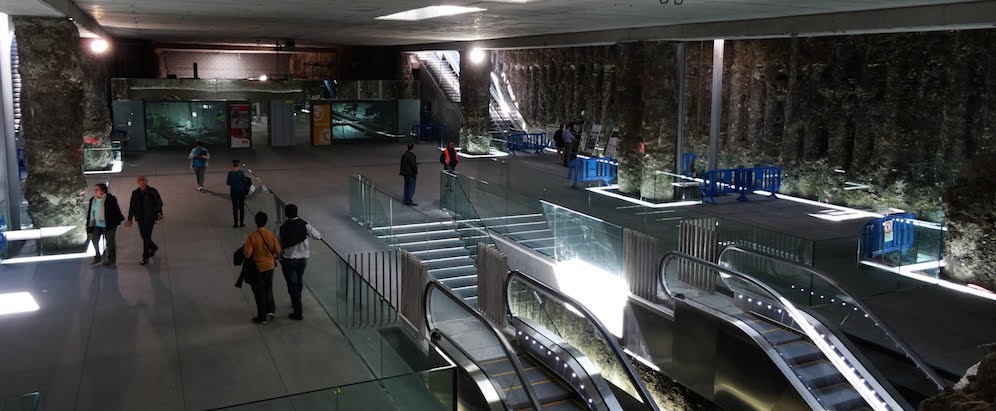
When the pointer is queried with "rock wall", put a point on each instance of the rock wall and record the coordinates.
(52, 124)
(970, 214)
(96, 115)
(978, 394)
(901, 113)
(475, 95)
(629, 85)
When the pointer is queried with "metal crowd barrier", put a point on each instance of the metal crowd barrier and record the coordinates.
(888, 234)
(741, 181)
(592, 169)
(537, 142)
(688, 164)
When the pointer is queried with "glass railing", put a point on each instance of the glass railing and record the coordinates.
(368, 317)
(454, 199)
(389, 219)
(98, 160)
(575, 325)
(825, 299)
(24, 402)
(903, 245)
(582, 237)
(479, 343)
(394, 393)
(746, 299)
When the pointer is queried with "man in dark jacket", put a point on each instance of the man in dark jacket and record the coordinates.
(238, 189)
(449, 157)
(294, 234)
(409, 170)
(146, 207)
(102, 219)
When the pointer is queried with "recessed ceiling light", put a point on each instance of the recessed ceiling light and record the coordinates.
(430, 12)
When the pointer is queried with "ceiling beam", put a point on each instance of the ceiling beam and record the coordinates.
(958, 16)
(74, 12)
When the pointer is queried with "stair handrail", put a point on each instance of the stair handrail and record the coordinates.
(852, 377)
(917, 360)
(506, 346)
(617, 350)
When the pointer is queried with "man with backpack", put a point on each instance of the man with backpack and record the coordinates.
(238, 185)
(294, 234)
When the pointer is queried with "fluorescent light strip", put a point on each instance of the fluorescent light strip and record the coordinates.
(904, 271)
(430, 12)
(90, 252)
(13, 303)
(604, 191)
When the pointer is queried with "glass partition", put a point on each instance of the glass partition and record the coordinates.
(98, 160)
(436, 392)
(582, 237)
(386, 342)
(183, 123)
(25, 402)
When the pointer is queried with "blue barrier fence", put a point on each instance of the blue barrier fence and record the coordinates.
(888, 234)
(688, 163)
(592, 169)
(535, 142)
(741, 181)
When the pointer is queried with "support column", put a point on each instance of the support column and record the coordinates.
(679, 143)
(717, 106)
(475, 96)
(12, 180)
(629, 105)
(52, 126)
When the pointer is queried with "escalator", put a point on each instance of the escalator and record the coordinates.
(744, 344)
(532, 362)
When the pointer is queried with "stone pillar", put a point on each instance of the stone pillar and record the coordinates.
(970, 211)
(660, 102)
(96, 116)
(629, 105)
(475, 94)
(52, 124)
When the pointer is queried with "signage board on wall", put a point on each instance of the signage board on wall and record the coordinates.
(321, 124)
(240, 125)
(592, 141)
(612, 146)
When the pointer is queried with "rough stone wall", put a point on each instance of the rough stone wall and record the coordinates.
(52, 124)
(970, 215)
(630, 85)
(899, 112)
(96, 116)
(475, 94)
(974, 393)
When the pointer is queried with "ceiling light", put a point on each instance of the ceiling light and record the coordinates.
(263, 77)
(430, 12)
(477, 56)
(99, 46)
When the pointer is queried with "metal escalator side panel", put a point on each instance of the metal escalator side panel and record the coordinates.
(725, 286)
(616, 355)
(435, 288)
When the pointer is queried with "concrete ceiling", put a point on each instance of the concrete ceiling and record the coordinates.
(28, 8)
(330, 22)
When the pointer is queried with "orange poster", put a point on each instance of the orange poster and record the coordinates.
(321, 124)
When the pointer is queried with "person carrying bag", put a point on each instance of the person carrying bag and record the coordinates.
(260, 250)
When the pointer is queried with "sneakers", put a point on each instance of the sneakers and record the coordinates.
(259, 320)
(271, 316)
(199, 188)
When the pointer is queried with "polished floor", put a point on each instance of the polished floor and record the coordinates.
(175, 335)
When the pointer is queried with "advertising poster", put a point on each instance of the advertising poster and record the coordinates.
(321, 124)
(592, 141)
(241, 125)
(612, 147)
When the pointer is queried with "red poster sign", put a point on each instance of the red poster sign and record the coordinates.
(240, 124)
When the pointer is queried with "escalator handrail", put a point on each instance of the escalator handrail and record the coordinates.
(920, 363)
(852, 377)
(613, 344)
(505, 345)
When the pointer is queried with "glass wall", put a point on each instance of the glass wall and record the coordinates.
(183, 123)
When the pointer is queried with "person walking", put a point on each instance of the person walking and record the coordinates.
(409, 170)
(558, 140)
(449, 157)
(199, 157)
(294, 234)
(146, 206)
(260, 249)
(102, 219)
(569, 152)
(238, 185)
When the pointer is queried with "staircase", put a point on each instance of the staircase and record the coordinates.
(444, 67)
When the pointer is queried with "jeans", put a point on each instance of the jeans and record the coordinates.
(110, 252)
(199, 172)
(238, 209)
(294, 274)
(409, 189)
(262, 289)
(148, 246)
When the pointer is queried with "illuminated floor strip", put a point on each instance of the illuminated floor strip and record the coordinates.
(116, 167)
(605, 192)
(90, 252)
(908, 271)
